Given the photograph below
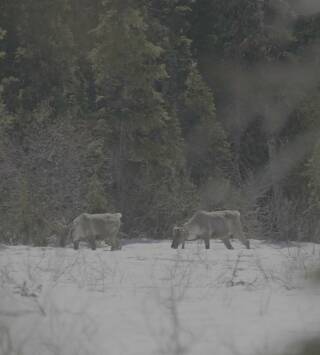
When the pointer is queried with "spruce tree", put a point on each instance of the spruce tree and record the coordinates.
(143, 134)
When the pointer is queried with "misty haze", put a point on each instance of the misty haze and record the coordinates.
(160, 177)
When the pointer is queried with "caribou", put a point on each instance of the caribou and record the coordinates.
(92, 227)
(206, 225)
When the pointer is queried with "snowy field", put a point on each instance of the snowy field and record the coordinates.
(150, 299)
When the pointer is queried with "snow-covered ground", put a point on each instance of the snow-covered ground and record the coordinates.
(150, 299)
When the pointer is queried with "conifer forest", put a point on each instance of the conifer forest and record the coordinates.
(158, 108)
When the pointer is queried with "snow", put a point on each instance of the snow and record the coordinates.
(150, 299)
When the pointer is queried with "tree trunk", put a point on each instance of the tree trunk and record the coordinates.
(276, 226)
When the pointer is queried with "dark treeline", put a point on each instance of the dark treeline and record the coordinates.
(157, 108)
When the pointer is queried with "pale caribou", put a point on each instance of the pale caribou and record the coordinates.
(206, 225)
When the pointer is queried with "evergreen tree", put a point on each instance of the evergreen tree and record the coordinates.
(96, 196)
(144, 136)
(151, 107)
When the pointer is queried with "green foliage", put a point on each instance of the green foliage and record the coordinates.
(154, 108)
(2, 36)
(161, 200)
(304, 347)
(308, 119)
(30, 224)
(39, 62)
(127, 66)
(96, 197)
(25, 215)
(314, 175)
(201, 128)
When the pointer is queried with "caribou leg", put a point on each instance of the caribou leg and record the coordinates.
(76, 244)
(116, 245)
(245, 242)
(93, 243)
(227, 243)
